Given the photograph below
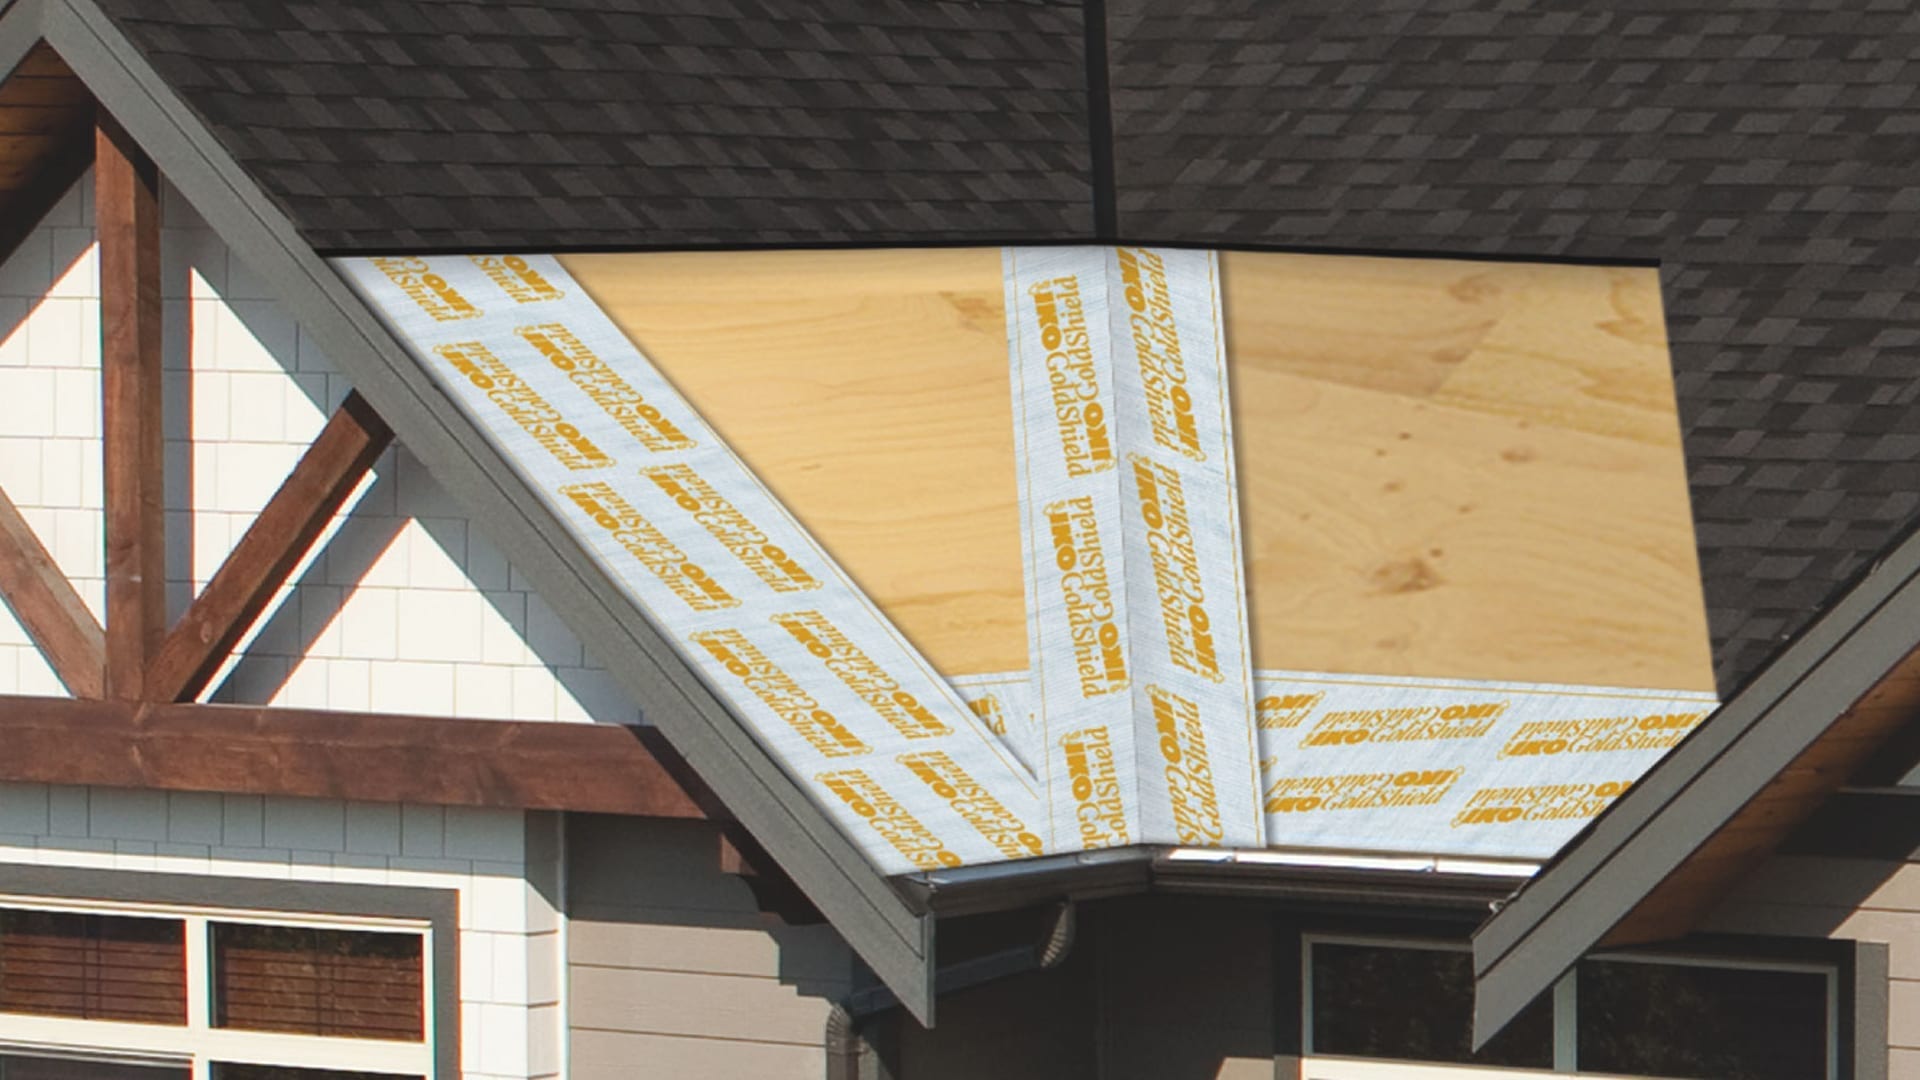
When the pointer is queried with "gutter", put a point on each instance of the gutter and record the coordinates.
(1277, 874)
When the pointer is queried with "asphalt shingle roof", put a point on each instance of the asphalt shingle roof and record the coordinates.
(456, 125)
(1763, 152)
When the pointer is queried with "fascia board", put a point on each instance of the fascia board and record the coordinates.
(1695, 790)
(20, 29)
(895, 941)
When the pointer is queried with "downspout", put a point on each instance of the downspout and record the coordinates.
(845, 1049)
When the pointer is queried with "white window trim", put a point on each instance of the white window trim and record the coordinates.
(1565, 1014)
(199, 1044)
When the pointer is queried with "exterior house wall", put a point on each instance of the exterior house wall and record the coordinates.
(509, 928)
(404, 608)
(674, 971)
(1843, 898)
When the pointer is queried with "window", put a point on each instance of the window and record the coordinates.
(93, 967)
(1686, 1018)
(141, 992)
(318, 982)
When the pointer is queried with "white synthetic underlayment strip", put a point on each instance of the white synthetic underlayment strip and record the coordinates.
(1454, 767)
(798, 652)
(1137, 628)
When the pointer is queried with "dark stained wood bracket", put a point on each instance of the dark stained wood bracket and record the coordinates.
(44, 601)
(265, 557)
(773, 891)
(595, 768)
(127, 218)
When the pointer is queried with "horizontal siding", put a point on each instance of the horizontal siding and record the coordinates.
(674, 971)
(689, 1003)
(628, 1055)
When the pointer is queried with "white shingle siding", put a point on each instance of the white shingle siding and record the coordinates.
(510, 959)
(406, 608)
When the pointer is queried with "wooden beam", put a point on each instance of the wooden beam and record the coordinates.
(43, 600)
(273, 545)
(127, 217)
(374, 757)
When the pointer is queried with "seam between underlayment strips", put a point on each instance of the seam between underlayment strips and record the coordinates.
(769, 622)
(1454, 766)
(1137, 640)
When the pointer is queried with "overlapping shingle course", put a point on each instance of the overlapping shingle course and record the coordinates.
(650, 123)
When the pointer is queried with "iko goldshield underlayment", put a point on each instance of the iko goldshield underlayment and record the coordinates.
(1139, 718)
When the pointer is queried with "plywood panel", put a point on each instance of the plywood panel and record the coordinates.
(1447, 469)
(1462, 469)
(869, 391)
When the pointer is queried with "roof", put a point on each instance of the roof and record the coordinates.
(1762, 157)
(616, 123)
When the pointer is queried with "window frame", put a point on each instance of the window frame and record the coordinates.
(271, 897)
(1836, 969)
(200, 1043)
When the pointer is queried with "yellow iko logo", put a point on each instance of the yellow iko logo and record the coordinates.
(768, 561)
(1176, 569)
(988, 708)
(826, 643)
(427, 289)
(1540, 802)
(891, 820)
(1655, 731)
(1156, 344)
(975, 804)
(524, 406)
(1099, 651)
(1413, 723)
(777, 690)
(1094, 780)
(1073, 378)
(518, 280)
(1360, 791)
(1183, 745)
(1286, 710)
(643, 541)
(637, 416)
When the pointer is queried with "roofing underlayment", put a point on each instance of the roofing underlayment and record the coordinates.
(1091, 620)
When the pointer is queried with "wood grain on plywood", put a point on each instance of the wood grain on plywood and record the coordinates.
(1462, 469)
(1447, 469)
(869, 391)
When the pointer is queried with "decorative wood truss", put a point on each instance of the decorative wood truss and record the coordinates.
(134, 719)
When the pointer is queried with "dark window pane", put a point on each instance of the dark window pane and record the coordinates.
(93, 967)
(1416, 1005)
(318, 982)
(39, 1068)
(287, 1072)
(1702, 1022)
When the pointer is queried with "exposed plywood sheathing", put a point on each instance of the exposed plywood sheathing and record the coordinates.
(1449, 469)
(869, 391)
(1463, 469)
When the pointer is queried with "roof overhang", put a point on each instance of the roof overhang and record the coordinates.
(1667, 850)
(892, 938)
